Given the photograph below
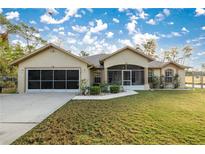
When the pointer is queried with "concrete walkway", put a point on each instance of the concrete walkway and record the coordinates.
(106, 97)
(21, 112)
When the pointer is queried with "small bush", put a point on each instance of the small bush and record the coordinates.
(176, 81)
(104, 87)
(114, 89)
(95, 90)
(84, 89)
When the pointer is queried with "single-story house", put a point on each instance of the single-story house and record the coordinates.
(51, 68)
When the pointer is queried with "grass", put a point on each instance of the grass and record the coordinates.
(158, 117)
(9, 91)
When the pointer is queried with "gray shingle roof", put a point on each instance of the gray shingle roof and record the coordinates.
(95, 59)
(156, 64)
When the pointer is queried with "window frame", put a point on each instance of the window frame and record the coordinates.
(169, 74)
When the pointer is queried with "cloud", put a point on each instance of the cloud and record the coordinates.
(159, 17)
(12, 15)
(58, 29)
(199, 12)
(52, 11)
(91, 23)
(46, 28)
(71, 34)
(32, 22)
(133, 17)
(122, 9)
(177, 34)
(140, 38)
(99, 27)
(131, 27)
(197, 41)
(1, 10)
(71, 41)
(201, 53)
(79, 29)
(203, 28)
(40, 30)
(125, 42)
(151, 22)
(142, 14)
(47, 18)
(170, 23)
(166, 12)
(87, 39)
(78, 16)
(56, 40)
(115, 20)
(184, 30)
(109, 34)
(90, 10)
(62, 33)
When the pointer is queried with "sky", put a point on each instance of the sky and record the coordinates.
(106, 30)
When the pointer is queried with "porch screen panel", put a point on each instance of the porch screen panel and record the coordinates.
(115, 77)
(137, 77)
(34, 79)
(46, 79)
(72, 79)
(59, 79)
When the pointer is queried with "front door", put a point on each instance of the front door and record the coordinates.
(126, 77)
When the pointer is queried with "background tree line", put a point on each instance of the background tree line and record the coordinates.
(174, 54)
(10, 52)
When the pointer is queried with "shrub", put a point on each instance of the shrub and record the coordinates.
(176, 81)
(162, 82)
(104, 87)
(114, 89)
(155, 82)
(84, 87)
(95, 90)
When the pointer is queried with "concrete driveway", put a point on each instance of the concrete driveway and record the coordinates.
(21, 112)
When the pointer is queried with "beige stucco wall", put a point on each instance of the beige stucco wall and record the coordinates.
(127, 57)
(157, 71)
(179, 71)
(50, 58)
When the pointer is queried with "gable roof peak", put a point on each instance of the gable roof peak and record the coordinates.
(137, 51)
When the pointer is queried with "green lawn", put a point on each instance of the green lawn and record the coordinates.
(159, 117)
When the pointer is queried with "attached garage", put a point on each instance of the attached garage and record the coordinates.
(51, 69)
(53, 80)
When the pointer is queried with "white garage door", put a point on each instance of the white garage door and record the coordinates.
(53, 80)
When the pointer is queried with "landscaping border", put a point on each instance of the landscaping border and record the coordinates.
(106, 97)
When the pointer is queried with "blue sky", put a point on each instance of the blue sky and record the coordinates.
(106, 30)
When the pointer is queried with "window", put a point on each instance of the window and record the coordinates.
(169, 73)
(97, 77)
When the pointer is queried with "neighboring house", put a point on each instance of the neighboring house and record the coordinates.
(51, 68)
